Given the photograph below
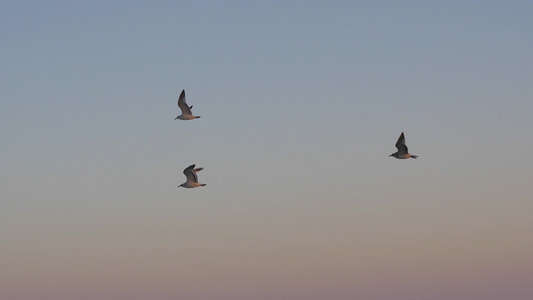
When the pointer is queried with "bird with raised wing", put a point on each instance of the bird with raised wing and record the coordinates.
(192, 178)
(186, 113)
(402, 152)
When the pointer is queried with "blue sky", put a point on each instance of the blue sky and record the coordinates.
(301, 104)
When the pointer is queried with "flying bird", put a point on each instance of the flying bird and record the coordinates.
(192, 179)
(402, 153)
(186, 113)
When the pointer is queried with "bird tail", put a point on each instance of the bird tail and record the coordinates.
(414, 156)
(197, 117)
(203, 184)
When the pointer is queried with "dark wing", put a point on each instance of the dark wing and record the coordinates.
(190, 174)
(400, 144)
(195, 171)
(185, 109)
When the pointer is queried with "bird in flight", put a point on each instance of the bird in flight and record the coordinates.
(192, 179)
(186, 113)
(402, 152)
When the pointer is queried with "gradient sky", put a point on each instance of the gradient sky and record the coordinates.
(301, 104)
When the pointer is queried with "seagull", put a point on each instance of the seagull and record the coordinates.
(186, 113)
(192, 179)
(402, 149)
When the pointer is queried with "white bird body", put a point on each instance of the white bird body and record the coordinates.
(192, 178)
(186, 113)
(404, 156)
(402, 152)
